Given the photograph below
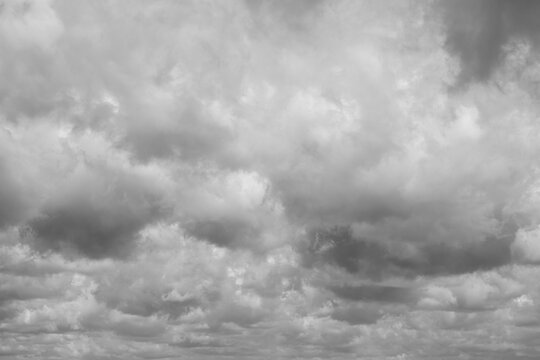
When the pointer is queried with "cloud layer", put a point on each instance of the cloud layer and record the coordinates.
(269, 179)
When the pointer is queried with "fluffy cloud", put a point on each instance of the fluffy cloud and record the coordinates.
(268, 179)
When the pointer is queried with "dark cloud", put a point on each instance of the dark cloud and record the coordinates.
(138, 329)
(24, 292)
(7, 313)
(10, 208)
(223, 232)
(145, 303)
(13, 202)
(478, 30)
(197, 342)
(29, 268)
(239, 314)
(93, 231)
(375, 293)
(98, 215)
(437, 259)
(12, 354)
(375, 260)
(338, 247)
(128, 326)
(355, 315)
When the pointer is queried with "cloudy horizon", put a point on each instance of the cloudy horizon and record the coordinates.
(266, 179)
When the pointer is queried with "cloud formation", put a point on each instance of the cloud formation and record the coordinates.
(269, 179)
(98, 211)
(479, 32)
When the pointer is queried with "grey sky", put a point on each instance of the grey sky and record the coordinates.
(269, 179)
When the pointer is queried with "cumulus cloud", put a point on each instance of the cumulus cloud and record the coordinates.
(262, 179)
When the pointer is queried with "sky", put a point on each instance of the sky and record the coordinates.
(270, 179)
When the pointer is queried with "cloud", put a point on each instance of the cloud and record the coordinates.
(26, 24)
(269, 179)
(376, 293)
(470, 292)
(131, 326)
(16, 191)
(17, 288)
(99, 211)
(236, 209)
(13, 203)
(224, 232)
(479, 30)
(355, 315)
(375, 259)
(526, 247)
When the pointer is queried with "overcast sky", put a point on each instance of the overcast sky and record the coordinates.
(270, 179)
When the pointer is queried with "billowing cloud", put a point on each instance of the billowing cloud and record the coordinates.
(269, 179)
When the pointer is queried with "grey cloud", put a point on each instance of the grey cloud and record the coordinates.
(499, 353)
(12, 354)
(203, 138)
(99, 215)
(24, 292)
(224, 232)
(355, 314)
(145, 303)
(338, 247)
(29, 268)
(92, 231)
(198, 342)
(128, 326)
(375, 293)
(40, 93)
(28, 64)
(375, 260)
(293, 13)
(338, 205)
(238, 314)
(477, 31)
(7, 313)
(136, 329)
(12, 199)
(187, 133)
(447, 259)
